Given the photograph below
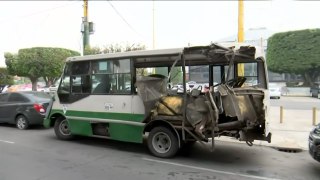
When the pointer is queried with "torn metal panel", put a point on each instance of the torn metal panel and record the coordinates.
(230, 102)
(233, 110)
(151, 89)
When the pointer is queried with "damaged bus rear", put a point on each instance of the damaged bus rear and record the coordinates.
(236, 104)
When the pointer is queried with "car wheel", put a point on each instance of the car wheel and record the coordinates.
(162, 142)
(62, 130)
(22, 122)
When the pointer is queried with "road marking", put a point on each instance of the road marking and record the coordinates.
(10, 142)
(210, 170)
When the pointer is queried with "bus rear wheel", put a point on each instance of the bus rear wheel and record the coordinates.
(62, 130)
(162, 142)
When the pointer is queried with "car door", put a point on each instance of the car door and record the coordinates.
(17, 104)
(3, 107)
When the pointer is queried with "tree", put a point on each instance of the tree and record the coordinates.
(295, 52)
(92, 50)
(38, 62)
(113, 48)
(5, 78)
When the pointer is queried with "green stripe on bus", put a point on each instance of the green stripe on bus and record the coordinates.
(102, 115)
(121, 132)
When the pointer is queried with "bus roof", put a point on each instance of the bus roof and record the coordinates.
(194, 55)
(129, 54)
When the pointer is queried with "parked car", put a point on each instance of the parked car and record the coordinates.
(315, 90)
(190, 85)
(204, 87)
(178, 87)
(314, 143)
(23, 108)
(275, 91)
(4, 88)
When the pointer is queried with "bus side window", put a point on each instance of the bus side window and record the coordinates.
(121, 80)
(86, 84)
(100, 84)
(80, 77)
(121, 84)
(65, 85)
(81, 84)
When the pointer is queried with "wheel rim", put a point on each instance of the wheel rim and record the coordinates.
(161, 142)
(64, 128)
(21, 123)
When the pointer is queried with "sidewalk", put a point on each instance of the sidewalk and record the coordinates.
(293, 133)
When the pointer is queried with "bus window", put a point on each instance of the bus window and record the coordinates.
(111, 77)
(121, 79)
(80, 77)
(102, 67)
(251, 74)
(64, 87)
(101, 84)
(79, 68)
(227, 70)
(152, 70)
(81, 84)
(122, 66)
(217, 75)
(121, 84)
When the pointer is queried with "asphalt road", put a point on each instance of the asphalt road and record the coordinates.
(36, 154)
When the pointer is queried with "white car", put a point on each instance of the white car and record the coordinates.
(275, 91)
(178, 88)
(190, 85)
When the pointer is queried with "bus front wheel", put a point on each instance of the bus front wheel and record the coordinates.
(162, 142)
(62, 130)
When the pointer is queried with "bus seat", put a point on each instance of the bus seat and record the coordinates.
(102, 88)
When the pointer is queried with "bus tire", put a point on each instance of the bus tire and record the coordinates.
(162, 142)
(62, 130)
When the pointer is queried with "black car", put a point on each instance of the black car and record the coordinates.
(23, 108)
(315, 90)
(314, 143)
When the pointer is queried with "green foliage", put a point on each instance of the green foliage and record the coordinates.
(92, 50)
(113, 48)
(5, 78)
(38, 62)
(295, 52)
(11, 60)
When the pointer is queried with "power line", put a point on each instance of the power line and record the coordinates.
(118, 13)
(41, 11)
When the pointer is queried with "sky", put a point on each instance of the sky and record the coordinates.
(26, 24)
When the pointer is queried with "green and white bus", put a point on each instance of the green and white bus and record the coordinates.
(126, 96)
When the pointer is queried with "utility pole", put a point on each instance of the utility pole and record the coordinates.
(87, 27)
(240, 33)
(153, 35)
(153, 29)
(240, 21)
